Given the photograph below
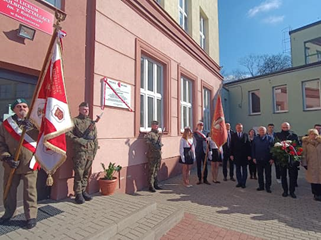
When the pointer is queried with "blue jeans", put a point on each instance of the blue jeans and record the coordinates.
(241, 175)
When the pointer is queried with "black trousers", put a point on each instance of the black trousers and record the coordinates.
(277, 171)
(264, 168)
(252, 168)
(225, 160)
(200, 157)
(316, 189)
(293, 174)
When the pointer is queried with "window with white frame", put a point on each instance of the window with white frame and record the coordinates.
(151, 93)
(280, 99)
(186, 103)
(55, 3)
(255, 102)
(207, 109)
(311, 95)
(202, 32)
(182, 10)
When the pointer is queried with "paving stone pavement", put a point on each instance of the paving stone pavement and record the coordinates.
(221, 208)
(259, 214)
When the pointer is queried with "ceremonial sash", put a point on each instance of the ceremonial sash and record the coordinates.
(202, 135)
(13, 129)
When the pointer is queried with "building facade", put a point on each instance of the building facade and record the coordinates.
(291, 95)
(136, 44)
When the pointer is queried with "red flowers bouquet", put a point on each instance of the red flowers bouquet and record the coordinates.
(287, 153)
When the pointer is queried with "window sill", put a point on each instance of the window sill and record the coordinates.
(278, 112)
(312, 109)
(254, 114)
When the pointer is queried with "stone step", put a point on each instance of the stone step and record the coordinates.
(152, 226)
(125, 211)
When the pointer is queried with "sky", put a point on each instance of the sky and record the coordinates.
(259, 27)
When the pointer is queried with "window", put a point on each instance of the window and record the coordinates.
(182, 9)
(255, 105)
(55, 3)
(311, 95)
(151, 93)
(280, 99)
(313, 50)
(207, 109)
(186, 103)
(6, 91)
(202, 33)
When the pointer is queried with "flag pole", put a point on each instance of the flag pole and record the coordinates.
(60, 17)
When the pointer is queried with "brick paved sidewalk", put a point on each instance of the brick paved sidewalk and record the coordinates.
(191, 228)
(259, 214)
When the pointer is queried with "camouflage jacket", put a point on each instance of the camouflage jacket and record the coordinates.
(154, 144)
(87, 143)
(9, 145)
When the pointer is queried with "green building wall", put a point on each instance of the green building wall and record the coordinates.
(301, 120)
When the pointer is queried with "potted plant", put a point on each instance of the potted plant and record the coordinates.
(108, 182)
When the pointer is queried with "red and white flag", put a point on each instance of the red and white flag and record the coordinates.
(218, 131)
(51, 113)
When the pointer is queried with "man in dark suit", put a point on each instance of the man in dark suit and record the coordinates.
(291, 167)
(240, 154)
(270, 132)
(227, 153)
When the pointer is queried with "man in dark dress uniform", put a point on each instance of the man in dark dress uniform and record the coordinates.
(227, 153)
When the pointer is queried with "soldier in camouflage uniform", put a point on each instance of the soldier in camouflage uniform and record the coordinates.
(85, 145)
(9, 141)
(154, 155)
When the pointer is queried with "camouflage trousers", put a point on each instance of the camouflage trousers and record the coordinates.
(82, 166)
(153, 167)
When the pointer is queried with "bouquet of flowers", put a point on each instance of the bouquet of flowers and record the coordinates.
(287, 153)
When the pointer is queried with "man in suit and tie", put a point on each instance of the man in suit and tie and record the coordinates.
(240, 154)
(227, 153)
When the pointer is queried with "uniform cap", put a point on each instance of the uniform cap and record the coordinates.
(84, 104)
(17, 101)
(155, 122)
(200, 123)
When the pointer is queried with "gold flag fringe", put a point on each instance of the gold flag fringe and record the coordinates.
(49, 181)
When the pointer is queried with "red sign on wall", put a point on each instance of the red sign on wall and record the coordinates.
(28, 13)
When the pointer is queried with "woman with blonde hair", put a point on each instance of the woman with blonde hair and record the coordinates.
(311, 161)
(215, 157)
(187, 153)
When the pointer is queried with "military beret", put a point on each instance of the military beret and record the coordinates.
(154, 122)
(83, 104)
(18, 101)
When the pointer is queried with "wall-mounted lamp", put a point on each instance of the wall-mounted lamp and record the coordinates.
(26, 32)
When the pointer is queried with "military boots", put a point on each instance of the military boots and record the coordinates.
(86, 196)
(79, 198)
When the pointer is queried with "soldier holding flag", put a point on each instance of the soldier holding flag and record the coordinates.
(85, 145)
(10, 133)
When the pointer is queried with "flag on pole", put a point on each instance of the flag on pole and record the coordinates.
(51, 114)
(218, 130)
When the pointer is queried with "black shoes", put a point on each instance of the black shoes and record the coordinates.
(206, 182)
(268, 190)
(31, 223)
(285, 194)
(260, 189)
(238, 185)
(151, 189)
(232, 179)
(317, 198)
(243, 186)
(79, 198)
(157, 187)
(4, 220)
(86, 196)
(292, 195)
(199, 182)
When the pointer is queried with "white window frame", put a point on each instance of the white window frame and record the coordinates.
(304, 96)
(202, 32)
(207, 109)
(145, 93)
(250, 102)
(186, 85)
(56, 3)
(182, 11)
(274, 99)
